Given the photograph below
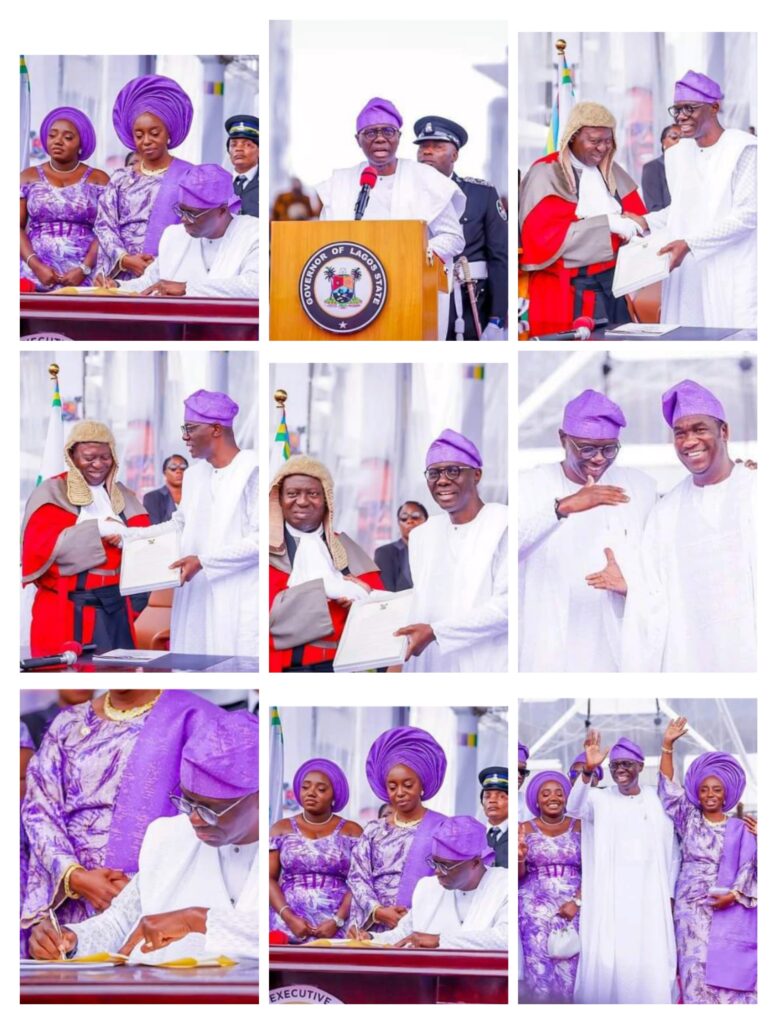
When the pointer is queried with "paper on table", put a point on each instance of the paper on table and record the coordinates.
(643, 330)
(94, 960)
(145, 563)
(368, 641)
(638, 264)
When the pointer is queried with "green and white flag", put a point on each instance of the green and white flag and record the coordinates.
(25, 114)
(276, 766)
(53, 461)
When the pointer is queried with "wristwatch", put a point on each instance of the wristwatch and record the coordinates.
(497, 321)
(85, 269)
(577, 902)
(339, 921)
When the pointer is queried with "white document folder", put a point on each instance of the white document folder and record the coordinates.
(368, 640)
(638, 265)
(145, 561)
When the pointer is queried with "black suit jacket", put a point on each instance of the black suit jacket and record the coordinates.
(655, 191)
(500, 850)
(160, 505)
(393, 560)
(249, 197)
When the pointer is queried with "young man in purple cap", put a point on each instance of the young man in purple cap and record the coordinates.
(196, 893)
(216, 610)
(573, 516)
(212, 252)
(458, 562)
(698, 545)
(405, 190)
(710, 224)
(463, 905)
(630, 866)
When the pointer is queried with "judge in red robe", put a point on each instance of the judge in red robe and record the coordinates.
(71, 552)
(315, 573)
(575, 213)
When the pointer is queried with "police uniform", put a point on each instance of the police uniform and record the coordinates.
(245, 126)
(496, 778)
(485, 233)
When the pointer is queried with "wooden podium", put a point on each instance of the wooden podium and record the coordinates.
(369, 280)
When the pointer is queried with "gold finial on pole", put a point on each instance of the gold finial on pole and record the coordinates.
(280, 397)
(561, 45)
(53, 371)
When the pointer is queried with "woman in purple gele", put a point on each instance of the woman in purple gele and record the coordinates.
(715, 904)
(404, 767)
(310, 855)
(152, 115)
(103, 772)
(549, 873)
(58, 200)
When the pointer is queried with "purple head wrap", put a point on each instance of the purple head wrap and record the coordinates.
(451, 446)
(221, 758)
(581, 758)
(333, 772)
(378, 111)
(80, 122)
(626, 750)
(724, 767)
(538, 781)
(207, 187)
(414, 748)
(157, 95)
(690, 399)
(523, 752)
(593, 416)
(694, 87)
(461, 838)
(210, 407)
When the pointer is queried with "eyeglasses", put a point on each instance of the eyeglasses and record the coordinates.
(451, 472)
(190, 216)
(614, 765)
(208, 815)
(443, 869)
(523, 772)
(407, 517)
(373, 133)
(590, 451)
(175, 466)
(189, 428)
(689, 109)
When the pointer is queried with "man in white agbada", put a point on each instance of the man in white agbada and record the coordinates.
(699, 545)
(196, 893)
(216, 609)
(710, 224)
(570, 519)
(630, 867)
(463, 905)
(458, 564)
(405, 190)
(213, 252)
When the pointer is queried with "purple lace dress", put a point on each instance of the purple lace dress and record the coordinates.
(553, 873)
(60, 223)
(701, 846)
(313, 875)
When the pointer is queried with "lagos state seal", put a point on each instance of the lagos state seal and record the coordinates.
(342, 287)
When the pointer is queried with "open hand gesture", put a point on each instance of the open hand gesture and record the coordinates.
(677, 727)
(610, 577)
(593, 754)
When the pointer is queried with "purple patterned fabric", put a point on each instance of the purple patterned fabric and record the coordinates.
(690, 399)
(91, 792)
(722, 766)
(415, 749)
(153, 94)
(133, 211)
(553, 875)
(60, 223)
(732, 950)
(314, 875)
(220, 760)
(386, 864)
(701, 848)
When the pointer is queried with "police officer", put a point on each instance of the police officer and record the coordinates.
(493, 800)
(485, 231)
(243, 148)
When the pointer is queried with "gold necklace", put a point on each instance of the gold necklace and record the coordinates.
(406, 824)
(117, 715)
(150, 172)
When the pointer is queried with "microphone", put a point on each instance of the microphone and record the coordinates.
(69, 656)
(582, 328)
(367, 181)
